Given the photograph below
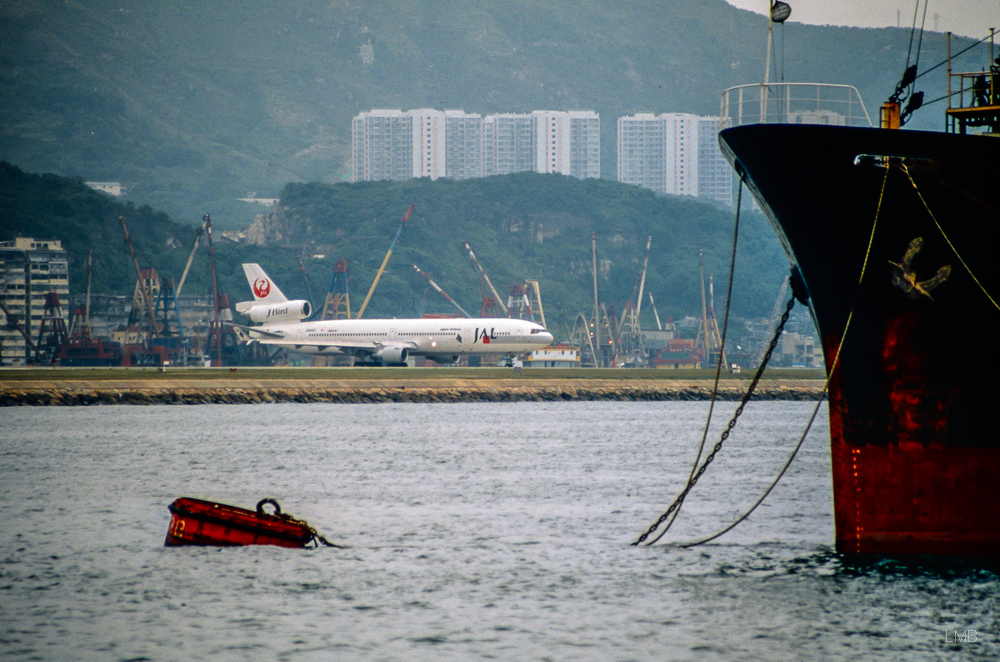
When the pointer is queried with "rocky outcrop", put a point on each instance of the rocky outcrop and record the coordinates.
(276, 227)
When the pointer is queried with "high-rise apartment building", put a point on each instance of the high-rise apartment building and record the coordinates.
(585, 144)
(382, 146)
(568, 143)
(428, 143)
(674, 153)
(509, 144)
(642, 151)
(715, 175)
(397, 144)
(29, 269)
(461, 145)
(552, 141)
(682, 153)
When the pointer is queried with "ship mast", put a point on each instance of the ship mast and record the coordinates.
(767, 55)
(778, 12)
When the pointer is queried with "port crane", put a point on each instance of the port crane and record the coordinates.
(659, 327)
(562, 318)
(338, 298)
(518, 303)
(598, 362)
(194, 249)
(30, 349)
(609, 319)
(583, 337)
(708, 337)
(215, 329)
(80, 326)
(142, 283)
(631, 330)
(166, 302)
(437, 289)
(535, 299)
(772, 321)
(52, 334)
(490, 304)
(305, 277)
(385, 261)
(149, 338)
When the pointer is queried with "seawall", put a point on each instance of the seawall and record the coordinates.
(40, 392)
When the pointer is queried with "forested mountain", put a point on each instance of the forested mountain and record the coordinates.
(192, 105)
(524, 226)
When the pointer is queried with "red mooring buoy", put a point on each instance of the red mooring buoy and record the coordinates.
(199, 522)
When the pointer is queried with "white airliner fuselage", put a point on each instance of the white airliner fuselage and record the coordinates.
(442, 338)
(385, 340)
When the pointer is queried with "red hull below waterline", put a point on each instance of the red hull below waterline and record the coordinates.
(198, 522)
(907, 498)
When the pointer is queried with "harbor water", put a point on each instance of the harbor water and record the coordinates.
(476, 531)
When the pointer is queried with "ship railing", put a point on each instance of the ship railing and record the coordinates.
(793, 103)
(975, 88)
(976, 102)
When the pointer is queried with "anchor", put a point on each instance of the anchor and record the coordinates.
(905, 277)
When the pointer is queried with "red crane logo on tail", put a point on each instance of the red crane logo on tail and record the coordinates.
(261, 288)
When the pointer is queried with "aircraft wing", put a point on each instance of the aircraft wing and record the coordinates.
(249, 334)
(353, 347)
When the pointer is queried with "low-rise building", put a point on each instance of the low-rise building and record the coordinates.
(554, 356)
(680, 354)
(797, 350)
(111, 188)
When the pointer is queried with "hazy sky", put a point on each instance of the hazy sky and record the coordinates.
(972, 18)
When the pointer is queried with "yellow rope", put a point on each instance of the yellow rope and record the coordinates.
(943, 234)
(864, 268)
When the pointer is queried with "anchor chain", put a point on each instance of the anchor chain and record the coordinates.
(729, 428)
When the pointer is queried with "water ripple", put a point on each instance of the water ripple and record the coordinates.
(478, 531)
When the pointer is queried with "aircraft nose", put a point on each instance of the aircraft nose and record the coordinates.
(547, 337)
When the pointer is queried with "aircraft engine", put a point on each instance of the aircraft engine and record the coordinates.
(442, 358)
(278, 313)
(392, 355)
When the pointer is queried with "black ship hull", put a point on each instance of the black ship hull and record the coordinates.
(915, 444)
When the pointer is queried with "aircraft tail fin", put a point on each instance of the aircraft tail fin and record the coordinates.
(264, 289)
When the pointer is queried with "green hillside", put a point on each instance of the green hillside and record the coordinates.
(192, 105)
(53, 207)
(524, 226)
(530, 226)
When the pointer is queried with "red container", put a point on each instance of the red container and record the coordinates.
(198, 522)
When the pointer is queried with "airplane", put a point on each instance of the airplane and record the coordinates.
(389, 341)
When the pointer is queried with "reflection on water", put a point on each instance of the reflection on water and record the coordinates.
(476, 531)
